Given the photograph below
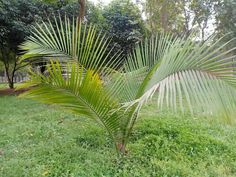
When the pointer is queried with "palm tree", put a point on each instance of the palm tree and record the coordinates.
(178, 71)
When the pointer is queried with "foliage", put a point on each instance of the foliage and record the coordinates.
(181, 16)
(82, 82)
(225, 21)
(199, 15)
(171, 66)
(124, 23)
(164, 16)
(176, 67)
(51, 142)
(69, 40)
(12, 64)
(1, 68)
(16, 17)
(71, 8)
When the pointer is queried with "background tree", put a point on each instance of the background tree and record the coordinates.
(124, 23)
(163, 15)
(178, 17)
(16, 18)
(81, 10)
(225, 19)
(72, 8)
(226, 22)
(202, 12)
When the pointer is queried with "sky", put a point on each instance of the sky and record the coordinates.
(103, 1)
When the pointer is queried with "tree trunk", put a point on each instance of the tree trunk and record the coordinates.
(203, 35)
(121, 148)
(164, 17)
(10, 76)
(81, 10)
(9, 79)
(11, 84)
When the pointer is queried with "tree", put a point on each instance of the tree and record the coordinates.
(226, 22)
(82, 10)
(164, 15)
(178, 17)
(225, 19)
(202, 12)
(179, 70)
(124, 24)
(12, 64)
(16, 17)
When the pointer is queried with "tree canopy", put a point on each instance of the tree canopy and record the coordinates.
(126, 22)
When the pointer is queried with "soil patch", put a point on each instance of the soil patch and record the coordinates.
(8, 91)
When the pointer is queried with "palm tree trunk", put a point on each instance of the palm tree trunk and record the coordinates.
(121, 147)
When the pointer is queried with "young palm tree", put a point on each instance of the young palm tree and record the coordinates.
(178, 70)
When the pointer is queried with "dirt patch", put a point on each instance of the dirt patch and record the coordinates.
(8, 91)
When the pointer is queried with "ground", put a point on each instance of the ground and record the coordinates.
(41, 140)
(5, 90)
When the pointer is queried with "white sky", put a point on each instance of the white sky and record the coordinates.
(105, 2)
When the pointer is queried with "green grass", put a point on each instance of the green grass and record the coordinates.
(40, 140)
(3, 85)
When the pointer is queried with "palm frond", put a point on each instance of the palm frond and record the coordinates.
(70, 40)
(199, 74)
(80, 91)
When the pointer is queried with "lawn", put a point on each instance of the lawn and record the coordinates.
(41, 140)
(3, 85)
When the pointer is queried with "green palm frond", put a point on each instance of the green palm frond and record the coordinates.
(201, 74)
(66, 39)
(80, 91)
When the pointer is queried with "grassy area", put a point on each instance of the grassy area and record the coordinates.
(38, 140)
(3, 85)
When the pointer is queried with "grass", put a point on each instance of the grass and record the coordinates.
(40, 140)
(3, 85)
